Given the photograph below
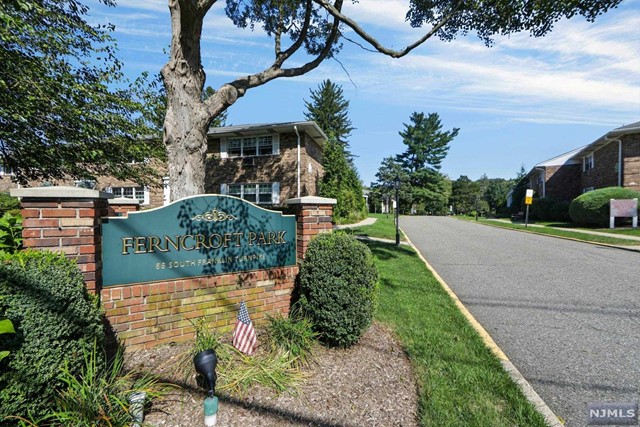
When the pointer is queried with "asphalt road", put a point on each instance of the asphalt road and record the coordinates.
(567, 314)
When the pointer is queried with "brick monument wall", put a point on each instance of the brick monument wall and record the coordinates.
(143, 315)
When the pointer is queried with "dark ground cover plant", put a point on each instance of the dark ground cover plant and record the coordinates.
(56, 322)
(237, 372)
(592, 208)
(292, 336)
(338, 287)
(99, 396)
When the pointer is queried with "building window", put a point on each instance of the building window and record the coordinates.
(139, 193)
(587, 189)
(265, 145)
(5, 170)
(260, 194)
(587, 162)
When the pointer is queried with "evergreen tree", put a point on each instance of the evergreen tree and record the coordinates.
(329, 110)
(427, 146)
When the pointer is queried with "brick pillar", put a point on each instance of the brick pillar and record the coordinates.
(313, 216)
(66, 219)
(121, 206)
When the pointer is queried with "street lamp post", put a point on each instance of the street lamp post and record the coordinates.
(396, 183)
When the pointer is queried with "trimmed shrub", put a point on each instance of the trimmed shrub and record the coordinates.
(592, 208)
(9, 204)
(546, 209)
(338, 286)
(56, 323)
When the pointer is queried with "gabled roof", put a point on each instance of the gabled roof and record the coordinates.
(563, 159)
(609, 137)
(309, 127)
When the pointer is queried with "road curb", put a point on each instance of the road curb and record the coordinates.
(607, 245)
(533, 397)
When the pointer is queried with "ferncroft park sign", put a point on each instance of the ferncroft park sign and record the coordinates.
(195, 236)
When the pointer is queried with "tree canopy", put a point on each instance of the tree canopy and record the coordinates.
(65, 109)
(305, 33)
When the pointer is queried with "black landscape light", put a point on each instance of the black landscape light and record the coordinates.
(205, 363)
(396, 184)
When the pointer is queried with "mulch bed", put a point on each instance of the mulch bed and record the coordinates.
(369, 384)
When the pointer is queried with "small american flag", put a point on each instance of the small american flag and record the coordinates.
(244, 336)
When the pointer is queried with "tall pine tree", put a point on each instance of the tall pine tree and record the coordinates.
(427, 146)
(340, 181)
(330, 111)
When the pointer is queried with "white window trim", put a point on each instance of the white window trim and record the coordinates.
(146, 193)
(275, 146)
(588, 162)
(275, 191)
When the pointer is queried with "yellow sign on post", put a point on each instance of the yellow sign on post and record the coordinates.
(528, 198)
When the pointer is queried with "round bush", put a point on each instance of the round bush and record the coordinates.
(338, 284)
(55, 319)
(592, 208)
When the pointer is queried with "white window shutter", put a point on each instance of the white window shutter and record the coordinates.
(224, 189)
(276, 144)
(147, 196)
(223, 148)
(275, 193)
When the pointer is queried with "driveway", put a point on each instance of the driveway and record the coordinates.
(567, 314)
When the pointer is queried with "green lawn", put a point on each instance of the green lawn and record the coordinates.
(620, 230)
(550, 231)
(460, 382)
(383, 228)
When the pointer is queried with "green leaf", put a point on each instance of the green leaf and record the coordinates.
(6, 327)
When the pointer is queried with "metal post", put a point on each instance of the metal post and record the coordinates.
(526, 218)
(397, 182)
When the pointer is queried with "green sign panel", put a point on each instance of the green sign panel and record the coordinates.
(196, 236)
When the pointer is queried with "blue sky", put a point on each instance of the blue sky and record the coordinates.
(520, 102)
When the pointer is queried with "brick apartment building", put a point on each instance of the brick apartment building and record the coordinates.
(262, 163)
(611, 160)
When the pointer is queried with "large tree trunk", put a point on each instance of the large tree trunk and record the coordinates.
(186, 121)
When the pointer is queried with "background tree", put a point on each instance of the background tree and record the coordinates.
(495, 194)
(427, 146)
(384, 187)
(464, 194)
(519, 191)
(60, 115)
(330, 111)
(313, 28)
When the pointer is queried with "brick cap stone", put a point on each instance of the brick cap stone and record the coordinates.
(310, 200)
(124, 201)
(59, 192)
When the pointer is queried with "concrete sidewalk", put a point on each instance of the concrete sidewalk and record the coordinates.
(367, 221)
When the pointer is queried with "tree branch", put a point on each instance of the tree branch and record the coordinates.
(205, 5)
(245, 83)
(337, 14)
(283, 56)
